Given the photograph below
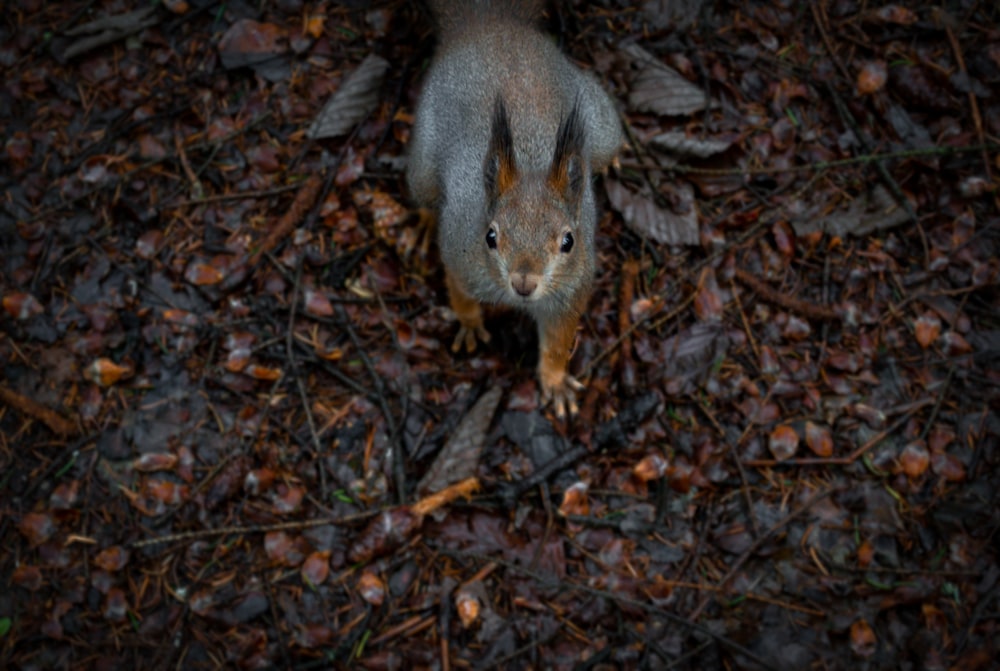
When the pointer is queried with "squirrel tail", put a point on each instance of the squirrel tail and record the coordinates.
(455, 14)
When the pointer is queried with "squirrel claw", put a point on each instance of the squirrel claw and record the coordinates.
(468, 335)
(562, 396)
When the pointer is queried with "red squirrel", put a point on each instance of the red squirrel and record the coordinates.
(507, 136)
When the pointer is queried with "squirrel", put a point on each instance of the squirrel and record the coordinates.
(507, 135)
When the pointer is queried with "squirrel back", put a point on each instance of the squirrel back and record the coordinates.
(452, 15)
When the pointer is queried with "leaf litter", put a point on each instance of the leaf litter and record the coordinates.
(228, 420)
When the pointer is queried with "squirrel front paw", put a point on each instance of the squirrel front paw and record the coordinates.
(468, 334)
(560, 390)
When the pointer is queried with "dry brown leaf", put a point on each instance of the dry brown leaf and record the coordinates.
(459, 457)
(356, 98)
(783, 442)
(641, 213)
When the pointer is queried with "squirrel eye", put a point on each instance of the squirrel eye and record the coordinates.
(567, 243)
(491, 238)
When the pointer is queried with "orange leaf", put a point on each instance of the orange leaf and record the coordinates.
(783, 442)
(872, 77)
(652, 467)
(262, 372)
(819, 439)
(372, 588)
(927, 329)
(914, 459)
(863, 640)
(202, 274)
(575, 500)
(468, 607)
(105, 372)
(314, 25)
(21, 306)
(112, 559)
(316, 568)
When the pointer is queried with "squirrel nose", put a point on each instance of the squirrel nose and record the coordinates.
(523, 283)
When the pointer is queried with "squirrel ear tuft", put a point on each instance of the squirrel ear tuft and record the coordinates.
(566, 174)
(500, 170)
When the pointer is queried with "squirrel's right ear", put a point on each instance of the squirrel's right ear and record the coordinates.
(500, 171)
(566, 176)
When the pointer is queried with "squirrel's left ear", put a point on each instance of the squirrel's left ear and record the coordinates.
(500, 170)
(566, 174)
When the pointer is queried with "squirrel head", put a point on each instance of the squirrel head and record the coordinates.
(537, 241)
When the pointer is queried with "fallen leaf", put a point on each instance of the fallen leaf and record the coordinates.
(927, 328)
(783, 442)
(371, 588)
(914, 459)
(872, 77)
(353, 102)
(819, 439)
(660, 89)
(674, 225)
(863, 641)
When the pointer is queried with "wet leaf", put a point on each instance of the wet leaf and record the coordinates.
(659, 89)
(36, 528)
(155, 461)
(914, 460)
(203, 274)
(115, 605)
(112, 559)
(575, 500)
(735, 539)
(317, 304)
(872, 77)
(863, 641)
(288, 499)
(652, 467)
(384, 534)
(459, 457)
(22, 306)
(927, 329)
(28, 577)
(819, 439)
(354, 100)
(708, 303)
(278, 545)
(258, 481)
(866, 553)
(896, 14)
(262, 372)
(65, 496)
(249, 42)
(676, 224)
(948, 467)
(783, 442)
(312, 636)
(316, 568)
(371, 588)
(468, 606)
(679, 142)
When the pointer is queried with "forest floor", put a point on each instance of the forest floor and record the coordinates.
(233, 434)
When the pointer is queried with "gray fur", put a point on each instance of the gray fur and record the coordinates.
(489, 51)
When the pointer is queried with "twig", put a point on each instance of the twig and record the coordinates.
(804, 308)
(820, 166)
(256, 529)
(977, 120)
(32, 408)
(294, 365)
(304, 200)
(613, 597)
(756, 545)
